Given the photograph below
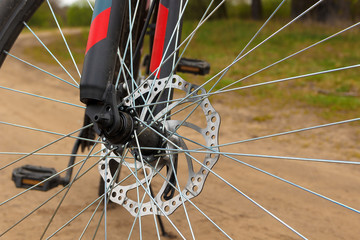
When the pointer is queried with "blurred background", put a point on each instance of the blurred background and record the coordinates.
(329, 11)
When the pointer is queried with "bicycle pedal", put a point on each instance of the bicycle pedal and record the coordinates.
(193, 66)
(28, 176)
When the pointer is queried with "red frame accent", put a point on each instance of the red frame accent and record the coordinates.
(99, 28)
(159, 38)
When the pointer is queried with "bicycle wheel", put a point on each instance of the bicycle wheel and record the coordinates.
(283, 163)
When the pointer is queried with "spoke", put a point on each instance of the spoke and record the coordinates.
(45, 180)
(249, 198)
(147, 184)
(138, 197)
(108, 190)
(123, 66)
(128, 42)
(204, 96)
(189, 200)
(44, 146)
(176, 151)
(110, 187)
(188, 38)
(117, 172)
(149, 194)
(90, 5)
(224, 90)
(50, 132)
(48, 50)
(40, 69)
(63, 37)
(277, 177)
(47, 200)
(142, 201)
(290, 132)
(284, 79)
(99, 222)
(248, 44)
(175, 63)
(294, 54)
(181, 196)
(91, 218)
(267, 40)
(184, 120)
(77, 215)
(67, 191)
(156, 73)
(48, 154)
(39, 96)
(131, 21)
(262, 42)
(232, 186)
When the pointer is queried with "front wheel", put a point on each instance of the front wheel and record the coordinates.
(282, 163)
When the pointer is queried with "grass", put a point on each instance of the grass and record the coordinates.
(219, 42)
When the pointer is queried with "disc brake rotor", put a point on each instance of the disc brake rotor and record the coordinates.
(174, 146)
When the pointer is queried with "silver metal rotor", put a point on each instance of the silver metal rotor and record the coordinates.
(173, 147)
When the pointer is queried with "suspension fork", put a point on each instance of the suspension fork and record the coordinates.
(101, 49)
(97, 89)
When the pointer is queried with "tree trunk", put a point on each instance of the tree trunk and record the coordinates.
(256, 9)
(327, 11)
(221, 12)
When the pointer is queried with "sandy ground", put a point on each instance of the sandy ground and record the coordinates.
(310, 215)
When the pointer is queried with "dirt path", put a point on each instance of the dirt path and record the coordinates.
(312, 216)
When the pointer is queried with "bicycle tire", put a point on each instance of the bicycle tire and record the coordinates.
(12, 15)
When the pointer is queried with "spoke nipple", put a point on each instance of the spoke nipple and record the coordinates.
(132, 136)
(159, 151)
(104, 139)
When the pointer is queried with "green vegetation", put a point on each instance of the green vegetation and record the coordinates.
(78, 15)
(77, 43)
(333, 95)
